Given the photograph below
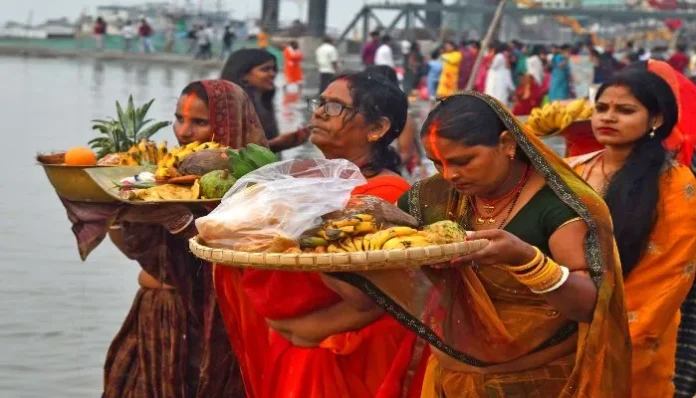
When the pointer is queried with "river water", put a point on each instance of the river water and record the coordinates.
(57, 313)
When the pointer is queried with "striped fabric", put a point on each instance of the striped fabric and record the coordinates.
(685, 374)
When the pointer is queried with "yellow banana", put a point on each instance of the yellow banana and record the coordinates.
(586, 112)
(366, 226)
(161, 151)
(192, 145)
(162, 173)
(406, 242)
(575, 108)
(334, 249)
(347, 245)
(380, 238)
(366, 242)
(358, 242)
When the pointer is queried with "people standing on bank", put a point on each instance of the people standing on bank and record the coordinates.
(169, 37)
(413, 69)
(432, 78)
(679, 60)
(99, 33)
(128, 34)
(205, 42)
(499, 83)
(560, 75)
(327, 62)
(370, 48)
(145, 34)
(449, 79)
(292, 57)
(228, 38)
(469, 51)
(384, 54)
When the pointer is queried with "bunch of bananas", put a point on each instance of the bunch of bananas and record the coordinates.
(360, 233)
(143, 154)
(554, 117)
(175, 156)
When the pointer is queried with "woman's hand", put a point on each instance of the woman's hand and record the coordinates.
(289, 140)
(175, 218)
(503, 248)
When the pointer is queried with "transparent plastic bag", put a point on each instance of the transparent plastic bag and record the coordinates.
(269, 208)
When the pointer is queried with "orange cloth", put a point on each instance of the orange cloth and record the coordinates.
(657, 286)
(292, 60)
(683, 137)
(375, 361)
(262, 39)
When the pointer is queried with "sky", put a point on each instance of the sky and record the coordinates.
(340, 11)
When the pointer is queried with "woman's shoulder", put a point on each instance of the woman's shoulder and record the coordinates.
(678, 179)
(580, 160)
(387, 187)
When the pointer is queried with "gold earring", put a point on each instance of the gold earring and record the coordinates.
(652, 133)
(512, 157)
(371, 139)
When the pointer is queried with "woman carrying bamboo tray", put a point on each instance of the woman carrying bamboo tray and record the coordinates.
(539, 311)
(328, 339)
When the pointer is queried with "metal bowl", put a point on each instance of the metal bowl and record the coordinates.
(74, 184)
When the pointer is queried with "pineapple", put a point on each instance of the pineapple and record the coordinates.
(128, 130)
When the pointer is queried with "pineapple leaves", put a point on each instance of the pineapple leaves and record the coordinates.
(128, 129)
(151, 130)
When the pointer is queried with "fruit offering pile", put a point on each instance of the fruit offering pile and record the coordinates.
(361, 233)
(207, 168)
(555, 117)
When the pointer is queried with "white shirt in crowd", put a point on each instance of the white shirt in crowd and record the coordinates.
(384, 56)
(326, 55)
(536, 68)
(128, 31)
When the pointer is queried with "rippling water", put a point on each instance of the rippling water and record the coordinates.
(58, 314)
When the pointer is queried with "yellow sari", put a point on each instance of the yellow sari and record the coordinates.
(505, 340)
(666, 274)
(449, 78)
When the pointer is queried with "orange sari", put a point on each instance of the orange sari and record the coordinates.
(379, 360)
(666, 271)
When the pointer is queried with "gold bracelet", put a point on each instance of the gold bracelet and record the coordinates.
(565, 273)
(548, 275)
(538, 257)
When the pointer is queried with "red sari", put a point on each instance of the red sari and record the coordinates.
(375, 361)
(528, 96)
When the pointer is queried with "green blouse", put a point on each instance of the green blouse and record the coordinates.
(535, 222)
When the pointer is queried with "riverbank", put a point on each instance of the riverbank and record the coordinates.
(12, 50)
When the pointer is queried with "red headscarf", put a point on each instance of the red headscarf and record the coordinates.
(232, 115)
(683, 137)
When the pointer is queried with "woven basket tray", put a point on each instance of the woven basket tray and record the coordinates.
(336, 262)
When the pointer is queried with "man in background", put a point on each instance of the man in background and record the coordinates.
(327, 62)
(384, 55)
(370, 48)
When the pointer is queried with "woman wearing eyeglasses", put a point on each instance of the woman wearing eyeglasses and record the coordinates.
(327, 339)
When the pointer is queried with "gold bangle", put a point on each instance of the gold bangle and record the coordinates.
(548, 275)
(538, 256)
(565, 273)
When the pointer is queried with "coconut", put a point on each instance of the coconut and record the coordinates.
(214, 185)
(203, 162)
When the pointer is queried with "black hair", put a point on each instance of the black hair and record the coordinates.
(469, 120)
(538, 50)
(375, 97)
(327, 39)
(386, 39)
(476, 44)
(451, 43)
(565, 47)
(681, 47)
(633, 192)
(238, 65)
(197, 89)
(435, 54)
(374, 33)
(384, 71)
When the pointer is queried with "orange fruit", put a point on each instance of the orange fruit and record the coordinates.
(80, 156)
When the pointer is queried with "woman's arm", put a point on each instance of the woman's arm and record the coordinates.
(577, 297)
(407, 141)
(289, 140)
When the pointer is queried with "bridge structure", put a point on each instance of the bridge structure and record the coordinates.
(427, 16)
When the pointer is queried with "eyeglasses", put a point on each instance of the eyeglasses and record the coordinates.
(331, 108)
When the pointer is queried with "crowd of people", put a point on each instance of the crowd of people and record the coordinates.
(577, 294)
